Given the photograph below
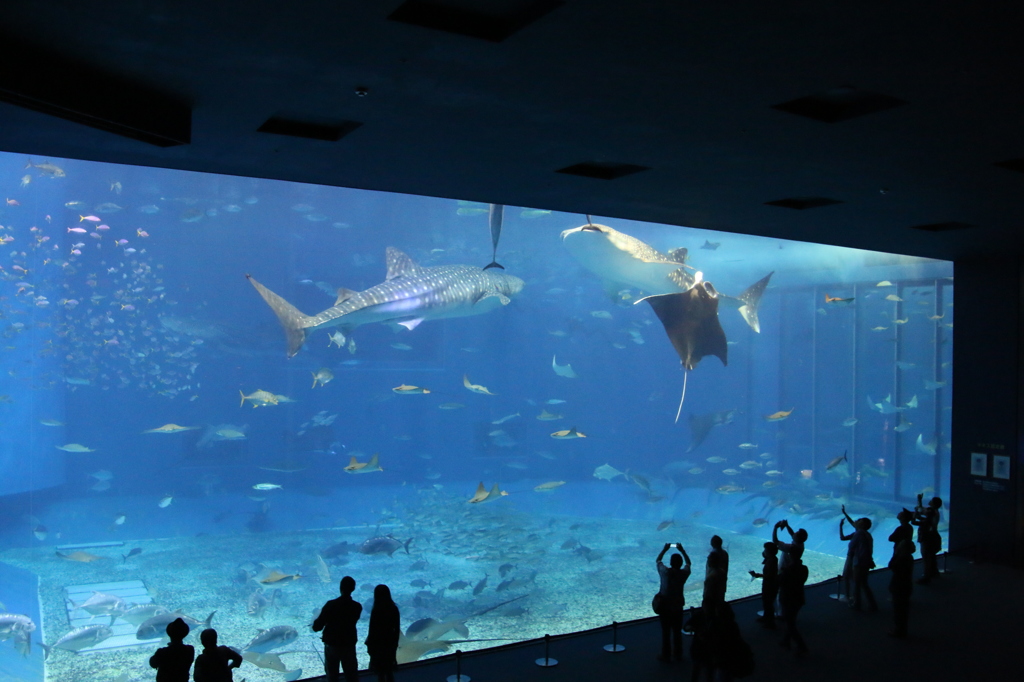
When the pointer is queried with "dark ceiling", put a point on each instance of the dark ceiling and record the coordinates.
(687, 90)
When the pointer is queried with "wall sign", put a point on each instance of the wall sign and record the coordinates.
(979, 464)
(1000, 466)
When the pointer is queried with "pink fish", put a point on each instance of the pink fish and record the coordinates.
(78, 230)
(121, 242)
(96, 235)
(142, 233)
(90, 218)
(129, 250)
(76, 252)
(103, 227)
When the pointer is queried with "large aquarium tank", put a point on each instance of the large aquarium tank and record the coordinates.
(223, 394)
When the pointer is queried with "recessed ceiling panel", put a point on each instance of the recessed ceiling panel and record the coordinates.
(839, 104)
(492, 20)
(803, 203)
(602, 170)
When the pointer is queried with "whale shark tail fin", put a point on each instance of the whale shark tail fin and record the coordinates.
(292, 319)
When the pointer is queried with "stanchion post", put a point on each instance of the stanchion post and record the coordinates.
(547, 661)
(614, 647)
(838, 594)
(458, 676)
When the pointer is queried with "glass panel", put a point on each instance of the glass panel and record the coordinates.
(510, 467)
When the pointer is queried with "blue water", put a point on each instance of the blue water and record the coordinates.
(113, 339)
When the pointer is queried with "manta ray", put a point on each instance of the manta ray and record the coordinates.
(618, 257)
(702, 424)
(686, 304)
(408, 295)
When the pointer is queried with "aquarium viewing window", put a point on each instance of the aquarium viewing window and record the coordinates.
(223, 394)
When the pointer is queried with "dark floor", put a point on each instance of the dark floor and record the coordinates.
(965, 626)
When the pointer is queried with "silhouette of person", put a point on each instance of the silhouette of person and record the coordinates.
(904, 531)
(792, 576)
(901, 585)
(701, 650)
(216, 662)
(173, 661)
(382, 639)
(848, 566)
(732, 656)
(927, 521)
(862, 549)
(673, 582)
(716, 574)
(338, 619)
(769, 576)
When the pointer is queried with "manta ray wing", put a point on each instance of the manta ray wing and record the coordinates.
(691, 322)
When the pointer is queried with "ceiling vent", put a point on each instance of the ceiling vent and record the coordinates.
(1012, 164)
(602, 170)
(491, 20)
(942, 227)
(803, 203)
(311, 131)
(839, 104)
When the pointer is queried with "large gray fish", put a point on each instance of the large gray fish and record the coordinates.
(272, 638)
(409, 295)
(140, 613)
(384, 544)
(100, 604)
(619, 257)
(79, 638)
(156, 627)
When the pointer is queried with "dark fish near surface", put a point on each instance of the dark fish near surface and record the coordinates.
(458, 585)
(836, 462)
(136, 551)
(418, 565)
(419, 582)
(503, 585)
(339, 549)
(505, 569)
(570, 543)
(80, 638)
(666, 524)
(384, 545)
(480, 586)
(156, 627)
(495, 218)
(272, 638)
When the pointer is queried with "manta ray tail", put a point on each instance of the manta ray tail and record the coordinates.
(291, 318)
(750, 301)
(682, 397)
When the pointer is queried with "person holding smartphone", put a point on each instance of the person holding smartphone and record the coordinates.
(670, 613)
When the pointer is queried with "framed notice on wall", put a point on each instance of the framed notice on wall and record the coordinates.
(979, 464)
(1000, 466)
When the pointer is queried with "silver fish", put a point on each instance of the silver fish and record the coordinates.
(79, 638)
(272, 638)
(156, 627)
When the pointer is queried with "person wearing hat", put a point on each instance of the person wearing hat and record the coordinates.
(174, 661)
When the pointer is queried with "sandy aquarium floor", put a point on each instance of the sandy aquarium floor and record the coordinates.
(561, 574)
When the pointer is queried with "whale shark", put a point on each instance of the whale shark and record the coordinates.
(618, 257)
(409, 295)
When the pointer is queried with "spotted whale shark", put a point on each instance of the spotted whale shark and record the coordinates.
(409, 294)
(618, 257)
